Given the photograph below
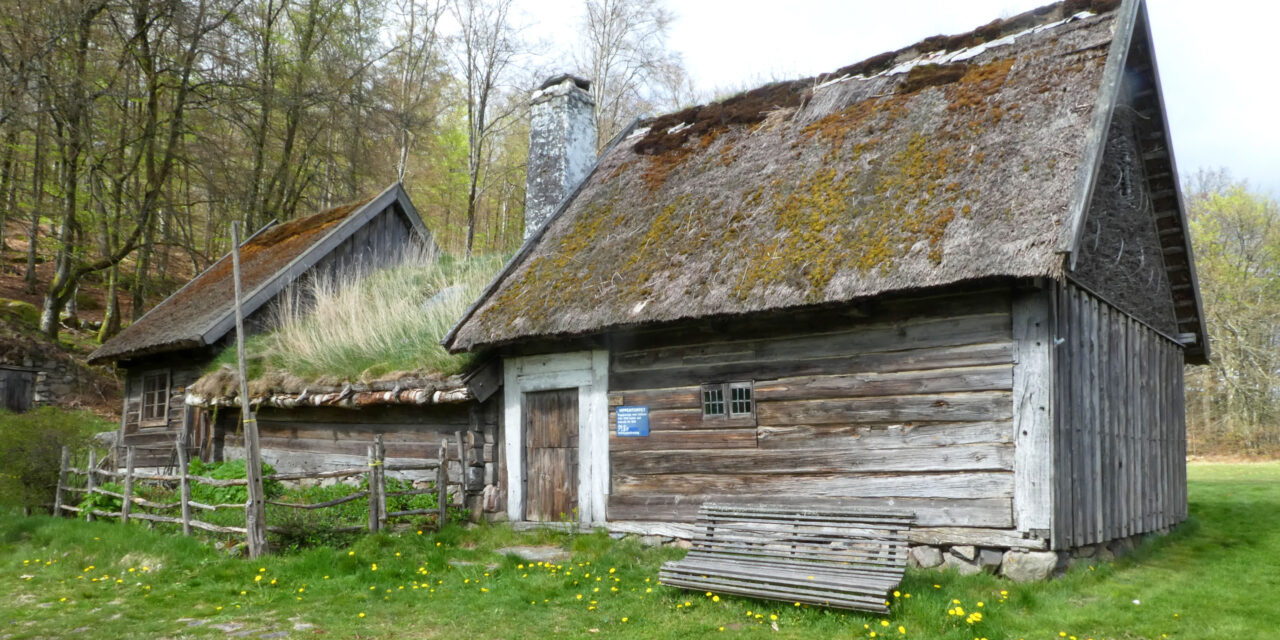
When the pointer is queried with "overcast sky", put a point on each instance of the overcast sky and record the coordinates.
(1216, 59)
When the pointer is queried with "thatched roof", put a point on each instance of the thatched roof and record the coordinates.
(960, 158)
(202, 311)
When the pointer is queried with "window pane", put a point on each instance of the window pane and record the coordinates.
(740, 400)
(713, 401)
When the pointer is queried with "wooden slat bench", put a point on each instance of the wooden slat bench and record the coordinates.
(835, 557)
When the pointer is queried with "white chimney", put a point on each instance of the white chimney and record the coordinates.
(562, 146)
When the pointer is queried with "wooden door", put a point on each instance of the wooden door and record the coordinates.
(16, 390)
(551, 455)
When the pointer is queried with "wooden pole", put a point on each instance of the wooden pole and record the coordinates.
(92, 482)
(255, 510)
(62, 481)
(127, 506)
(373, 490)
(442, 486)
(380, 455)
(184, 487)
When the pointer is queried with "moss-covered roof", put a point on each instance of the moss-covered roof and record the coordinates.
(948, 161)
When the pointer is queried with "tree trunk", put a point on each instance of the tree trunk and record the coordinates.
(111, 317)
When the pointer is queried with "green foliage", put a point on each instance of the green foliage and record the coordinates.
(1234, 403)
(31, 451)
(24, 313)
(229, 470)
(100, 502)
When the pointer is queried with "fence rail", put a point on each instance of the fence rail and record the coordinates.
(375, 472)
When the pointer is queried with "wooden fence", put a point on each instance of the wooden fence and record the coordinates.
(375, 473)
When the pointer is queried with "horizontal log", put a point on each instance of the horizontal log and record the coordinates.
(983, 537)
(955, 407)
(943, 434)
(413, 512)
(670, 398)
(890, 336)
(999, 352)
(683, 419)
(861, 385)
(691, 439)
(930, 512)
(857, 458)
(354, 447)
(830, 485)
(372, 418)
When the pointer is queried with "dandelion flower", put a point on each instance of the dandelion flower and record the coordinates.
(257, 578)
(902, 630)
(361, 614)
(624, 619)
(351, 553)
(715, 598)
(884, 623)
(773, 616)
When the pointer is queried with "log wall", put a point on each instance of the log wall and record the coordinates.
(907, 404)
(312, 439)
(155, 440)
(1120, 427)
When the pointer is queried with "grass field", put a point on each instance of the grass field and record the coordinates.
(1215, 577)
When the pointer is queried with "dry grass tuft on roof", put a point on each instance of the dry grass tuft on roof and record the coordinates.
(363, 327)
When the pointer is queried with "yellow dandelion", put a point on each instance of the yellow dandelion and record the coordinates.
(797, 604)
(715, 598)
(884, 623)
(773, 616)
(257, 578)
(351, 553)
(361, 614)
(624, 619)
(897, 594)
(902, 630)
(579, 596)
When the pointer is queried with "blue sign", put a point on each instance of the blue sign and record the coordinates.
(632, 421)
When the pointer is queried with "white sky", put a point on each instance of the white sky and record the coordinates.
(1217, 60)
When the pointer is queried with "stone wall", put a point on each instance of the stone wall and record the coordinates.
(63, 382)
(1020, 565)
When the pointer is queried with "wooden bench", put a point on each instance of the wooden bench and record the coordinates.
(835, 557)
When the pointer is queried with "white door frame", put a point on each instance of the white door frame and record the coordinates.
(588, 371)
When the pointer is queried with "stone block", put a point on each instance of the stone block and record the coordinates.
(1029, 566)
(962, 566)
(925, 557)
(990, 559)
(965, 552)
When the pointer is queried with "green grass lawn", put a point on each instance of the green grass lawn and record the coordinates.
(1216, 576)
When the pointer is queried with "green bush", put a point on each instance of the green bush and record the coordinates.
(110, 504)
(31, 451)
(229, 470)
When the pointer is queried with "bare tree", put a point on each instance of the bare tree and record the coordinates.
(624, 52)
(486, 47)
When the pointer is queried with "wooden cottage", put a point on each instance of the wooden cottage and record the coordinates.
(167, 349)
(953, 278)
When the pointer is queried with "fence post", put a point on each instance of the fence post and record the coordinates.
(255, 509)
(62, 481)
(91, 483)
(380, 453)
(126, 507)
(373, 491)
(442, 486)
(184, 487)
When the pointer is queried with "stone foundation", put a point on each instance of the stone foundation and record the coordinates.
(1017, 564)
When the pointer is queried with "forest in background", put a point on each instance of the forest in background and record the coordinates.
(132, 132)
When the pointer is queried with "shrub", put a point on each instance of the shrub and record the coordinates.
(31, 451)
(229, 470)
(110, 504)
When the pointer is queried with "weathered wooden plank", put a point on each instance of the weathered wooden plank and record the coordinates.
(858, 458)
(940, 434)
(686, 419)
(973, 355)
(988, 378)
(911, 333)
(1032, 386)
(958, 407)
(1063, 415)
(1096, 391)
(685, 397)
(906, 485)
(691, 439)
(957, 512)
(947, 536)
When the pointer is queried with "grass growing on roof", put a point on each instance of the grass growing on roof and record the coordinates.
(1212, 578)
(365, 327)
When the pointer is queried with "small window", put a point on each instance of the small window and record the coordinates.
(734, 400)
(713, 400)
(740, 399)
(155, 397)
